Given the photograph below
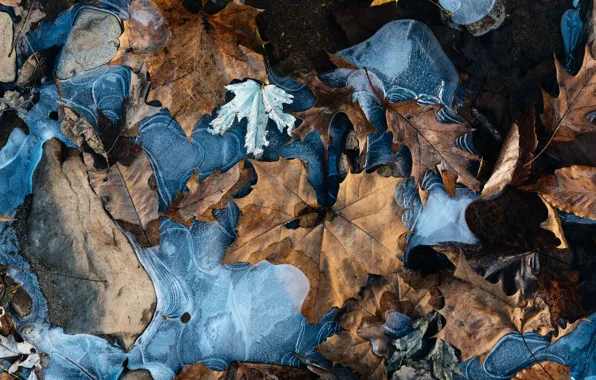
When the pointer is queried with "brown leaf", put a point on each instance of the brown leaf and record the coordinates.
(477, 312)
(553, 224)
(571, 189)
(545, 371)
(78, 130)
(135, 107)
(336, 248)
(209, 194)
(4, 218)
(507, 162)
(381, 2)
(352, 347)
(568, 117)
(204, 54)
(197, 372)
(10, 3)
(258, 371)
(127, 192)
(431, 142)
(329, 102)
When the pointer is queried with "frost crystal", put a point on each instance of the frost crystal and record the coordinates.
(466, 12)
(258, 104)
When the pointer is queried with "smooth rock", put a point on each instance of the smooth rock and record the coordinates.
(8, 62)
(92, 42)
(87, 269)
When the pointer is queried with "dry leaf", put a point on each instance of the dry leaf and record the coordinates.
(352, 347)
(545, 371)
(4, 218)
(127, 193)
(330, 101)
(568, 329)
(553, 224)
(197, 372)
(568, 117)
(10, 3)
(431, 142)
(477, 312)
(381, 2)
(336, 248)
(507, 162)
(209, 194)
(136, 109)
(78, 130)
(571, 189)
(204, 54)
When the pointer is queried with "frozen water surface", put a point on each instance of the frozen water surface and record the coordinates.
(408, 59)
(213, 313)
(465, 12)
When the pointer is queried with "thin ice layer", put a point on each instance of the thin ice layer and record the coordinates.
(213, 313)
(410, 62)
(465, 12)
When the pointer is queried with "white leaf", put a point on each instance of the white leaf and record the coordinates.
(258, 104)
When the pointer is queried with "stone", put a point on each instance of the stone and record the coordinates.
(92, 42)
(8, 61)
(86, 266)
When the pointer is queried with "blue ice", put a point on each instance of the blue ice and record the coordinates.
(465, 12)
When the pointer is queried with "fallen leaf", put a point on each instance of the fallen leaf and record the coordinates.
(204, 54)
(381, 2)
(477, 312)
(147, 29)
(78, 130)
(197, 372)
(258, 371)
(431, 142)
(571, 189)
(507, 162)
(568, 118)
(26, 354)
(135, 107)
(127, 193)
(210, 194)
(568, 329)
(335, 247)
(545, 371)
(329, 102)
(4, 218)
(258, 104)
(553, 224)
(352, 346)
(10, 3)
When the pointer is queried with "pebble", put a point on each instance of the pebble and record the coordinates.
(8, 61)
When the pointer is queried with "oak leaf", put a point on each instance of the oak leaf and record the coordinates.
(209, 194)
(569, 117)
(545, 371)
(571, 189)
(336, 247)
(243, 371)
(329, 102)
(431, 142)
(204, 54)
(477, 313)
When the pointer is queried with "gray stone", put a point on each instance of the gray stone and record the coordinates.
(92, 42)
(139, 374)
(8, 61)
(87, 269)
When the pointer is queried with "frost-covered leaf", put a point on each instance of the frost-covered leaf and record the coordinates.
(335, 247)
(26, 354)
(136, 109)
(258, 104)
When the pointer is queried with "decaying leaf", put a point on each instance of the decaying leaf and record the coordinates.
(136, 109)
(330, 101)
(431, 142)
(127, 192)
(545, 371)
(477, 312)
(362, 321)
(553, 224)
(78, 130)
(210, 194)
(506, 164)
(21, 354)
(197, 372)
(204, 54)
(571, 189)
(337, 247)
(258, 104)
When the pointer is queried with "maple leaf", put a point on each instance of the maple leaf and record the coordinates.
(571, 189)
(205, 53)
(330, 101)
(259, 104)
(336, 247)
(210, 194)
(431, 142)
(569, 117)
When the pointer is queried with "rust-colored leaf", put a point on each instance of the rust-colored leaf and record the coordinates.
(571, 189)
(545, 371)
(336, 248)
(204, 54)
(330, 101)
(431, 142)
(4, 218)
